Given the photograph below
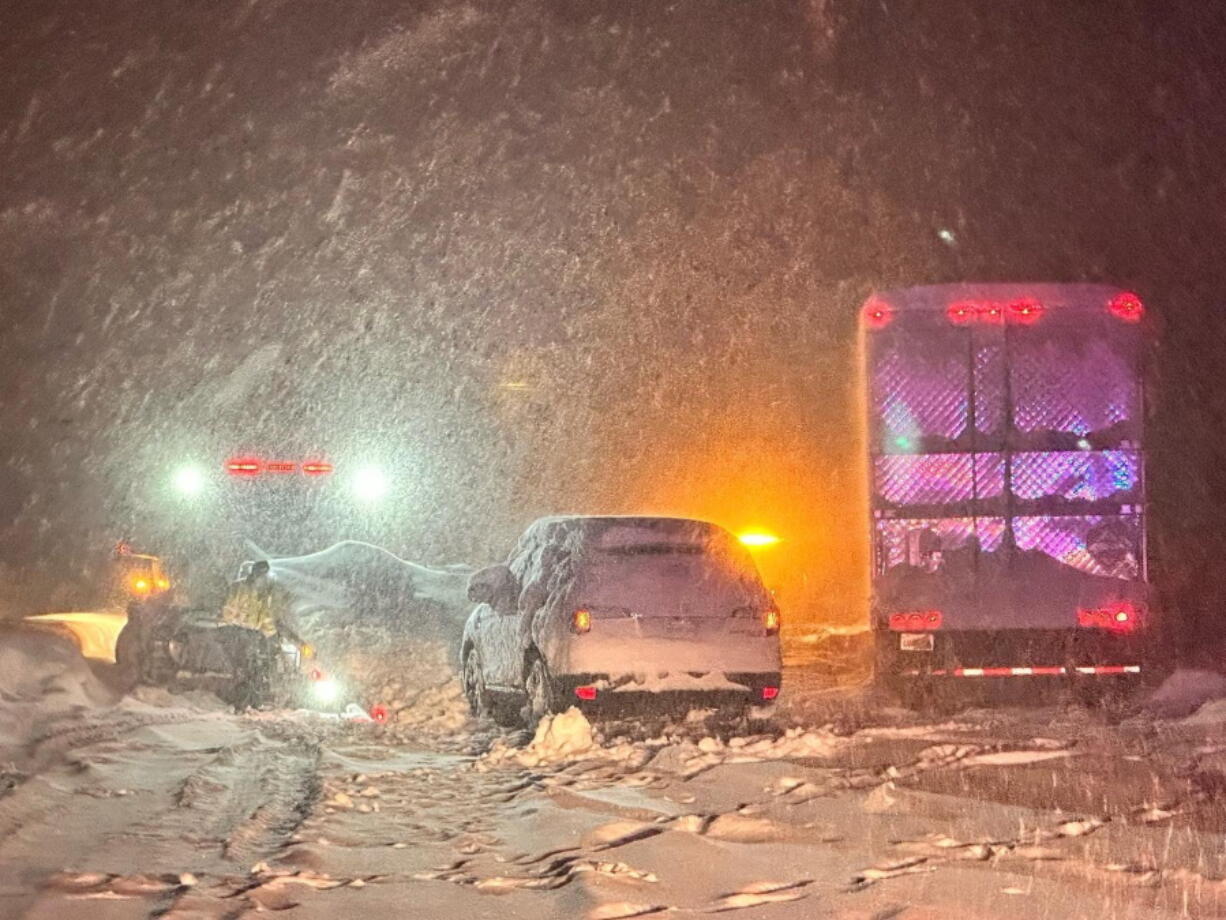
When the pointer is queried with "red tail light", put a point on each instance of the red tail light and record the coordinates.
(581, 621)
(878, 314)
(770, 693)
(316, 674)
(919, 621)
(770, 621)
(244, 466)
(378, 712)
(1126, 307)
(1119, 617)
(586, 693)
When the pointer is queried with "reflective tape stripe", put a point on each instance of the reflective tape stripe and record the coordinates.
(1041, 671)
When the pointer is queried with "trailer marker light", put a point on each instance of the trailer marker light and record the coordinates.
(586, 692)
(770, 693)
(878, 314)
(581, 621)
(962, 312)
(316, 468)
(1026, 311)
(1126, 307)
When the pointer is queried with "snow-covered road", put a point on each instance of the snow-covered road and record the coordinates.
(158, 807)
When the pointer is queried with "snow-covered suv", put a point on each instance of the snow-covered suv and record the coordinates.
(587, 608)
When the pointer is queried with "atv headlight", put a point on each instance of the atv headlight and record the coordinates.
(326, 690)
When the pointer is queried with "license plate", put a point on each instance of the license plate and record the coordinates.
(915, 642)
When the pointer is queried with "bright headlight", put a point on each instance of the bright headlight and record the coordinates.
(326, 690)
(369, 484)
(188, 480)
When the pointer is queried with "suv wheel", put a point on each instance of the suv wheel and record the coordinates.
(542, 693)
(474, 686)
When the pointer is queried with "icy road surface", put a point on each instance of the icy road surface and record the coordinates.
(160, 808)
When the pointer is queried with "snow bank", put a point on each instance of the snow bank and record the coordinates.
(562, 738)
(387, 628)
(42, 675)
(412, 680)
(569, 736)
(353, 585)
(39, 667)
(1185, 691)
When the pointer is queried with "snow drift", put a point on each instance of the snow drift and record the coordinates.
(391, 627)
(42, 675)
(355, 584)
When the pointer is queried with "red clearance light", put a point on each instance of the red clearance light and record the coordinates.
(878, 314)
(1027, 311)
(919, 621)
(770, 693)
(280, 466)
(966, 312)
(316, 468)
(991, 313)
(581, 621)
(244, 466)
(963, 312)
(1126, 307)
(586, 693)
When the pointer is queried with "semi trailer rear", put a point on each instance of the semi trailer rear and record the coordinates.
(1007, 483)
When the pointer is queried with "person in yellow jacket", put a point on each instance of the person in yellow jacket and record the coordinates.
(256, 602)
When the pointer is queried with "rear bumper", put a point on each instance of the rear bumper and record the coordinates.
(711, 688)
(1019, 653)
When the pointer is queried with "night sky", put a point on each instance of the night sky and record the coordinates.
(346, 226)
